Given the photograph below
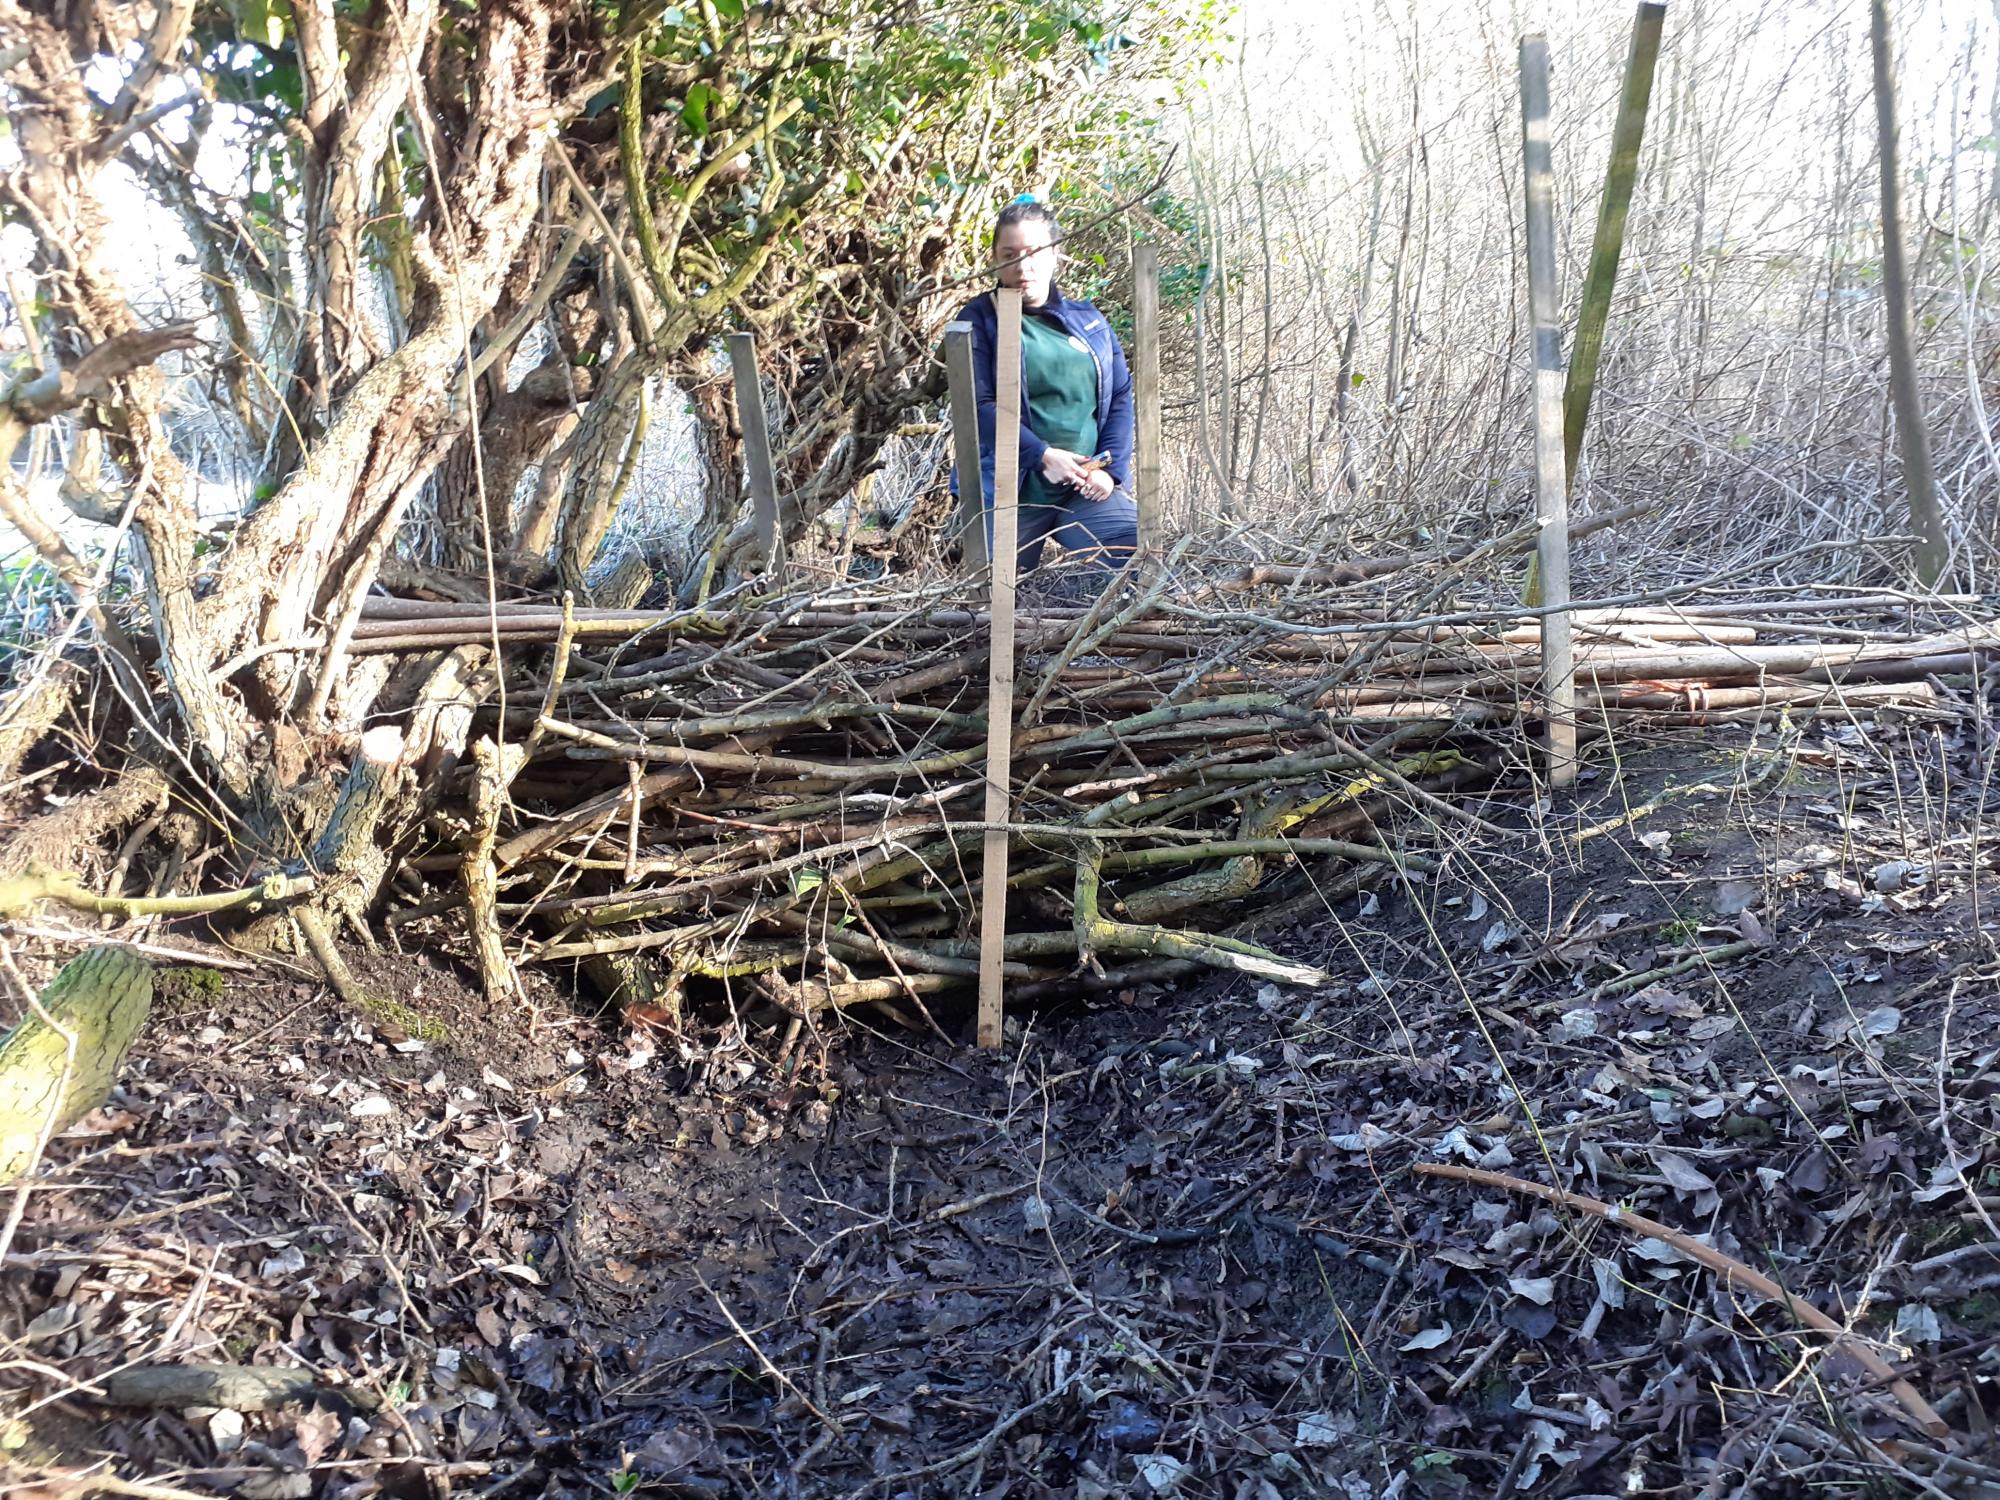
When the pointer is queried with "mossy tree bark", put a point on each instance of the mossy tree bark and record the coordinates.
(59, 1063)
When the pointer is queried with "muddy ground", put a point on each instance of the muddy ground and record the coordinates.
(1169, 1241)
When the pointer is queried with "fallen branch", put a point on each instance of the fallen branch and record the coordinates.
(21, 893)
(1728, 1267)
(232, 1387)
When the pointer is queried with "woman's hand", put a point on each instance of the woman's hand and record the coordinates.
(1060, 466)
(1098, 485)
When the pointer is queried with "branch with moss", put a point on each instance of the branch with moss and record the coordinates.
(1095, 932)
(22, 893)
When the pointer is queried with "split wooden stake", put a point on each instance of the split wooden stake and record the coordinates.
(757, 469)
(1146, 391)
(965, 448)
(1551, 482)
(1000, 674)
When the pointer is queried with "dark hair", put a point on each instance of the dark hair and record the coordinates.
(1028, 211)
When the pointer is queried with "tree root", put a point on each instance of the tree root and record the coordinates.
(312, 925)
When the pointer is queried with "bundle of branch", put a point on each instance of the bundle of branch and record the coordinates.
(783, 796)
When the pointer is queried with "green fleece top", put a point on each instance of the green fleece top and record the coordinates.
(1062, 401)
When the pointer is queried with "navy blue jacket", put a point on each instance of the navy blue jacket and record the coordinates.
(1114, 384)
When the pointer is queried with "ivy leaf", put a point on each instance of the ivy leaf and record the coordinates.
(701, 98)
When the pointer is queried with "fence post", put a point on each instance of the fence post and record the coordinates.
(965, 448)
(1551, 485)
(757, 468)
(1146, 391)
(1627, 135)
(1000, 671)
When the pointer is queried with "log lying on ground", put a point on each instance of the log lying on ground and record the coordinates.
(232, 1387)
(60, 1061)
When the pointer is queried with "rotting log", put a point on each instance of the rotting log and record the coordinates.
(231, 1387)
(60, 1061)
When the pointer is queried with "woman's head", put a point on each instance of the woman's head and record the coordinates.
(1024, 249)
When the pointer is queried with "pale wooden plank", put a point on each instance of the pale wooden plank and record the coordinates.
(1000, 672)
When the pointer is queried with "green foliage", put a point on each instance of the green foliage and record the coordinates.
(823, 170)
(900, 124)
(1098, 268)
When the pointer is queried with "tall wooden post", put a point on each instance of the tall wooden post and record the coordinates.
(1627, 135)
(1551, 485)
(1146, 391)
(1000, 676)
(757, 468)
(965, 448)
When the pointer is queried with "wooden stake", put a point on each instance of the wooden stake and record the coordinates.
(1146, 391)
(1551, 484)
(1000, 676)
(757, 468)
(1626, 137)
(965, 448)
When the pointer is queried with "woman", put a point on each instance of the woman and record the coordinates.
(1076, 402)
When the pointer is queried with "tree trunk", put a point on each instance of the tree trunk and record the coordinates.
(607, 438)
(1919, 474)
(301, 561)
(479, 478)
(59, 1063)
